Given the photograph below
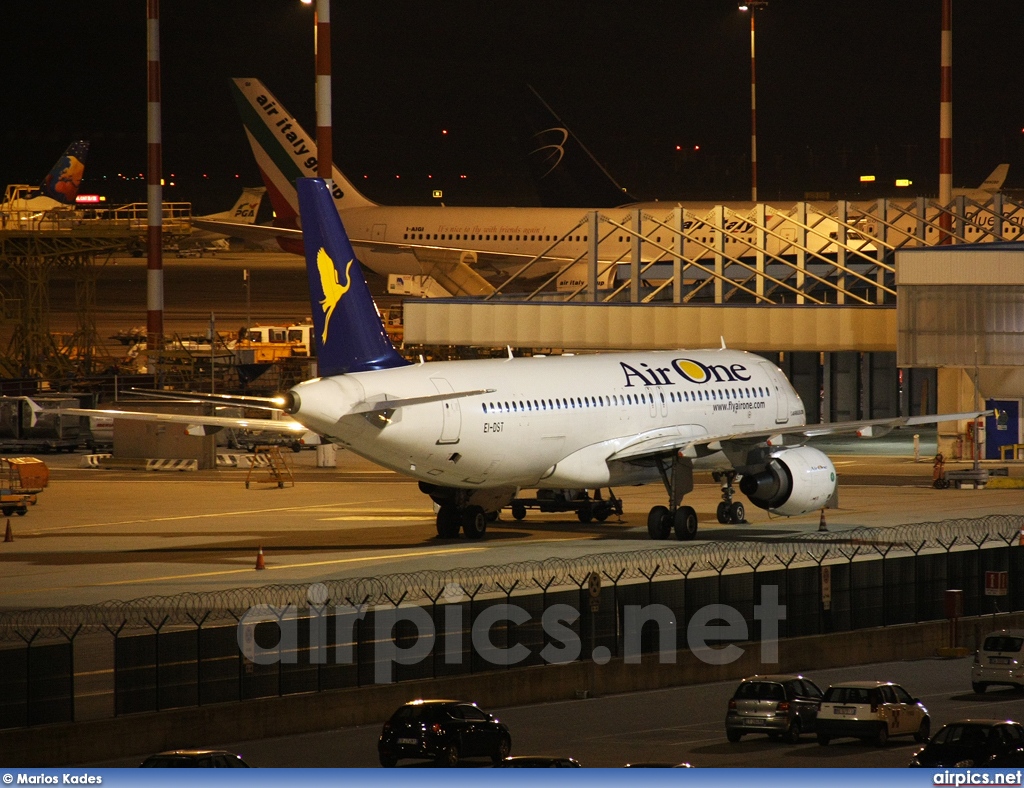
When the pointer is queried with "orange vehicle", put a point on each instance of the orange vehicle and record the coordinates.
(21, 480)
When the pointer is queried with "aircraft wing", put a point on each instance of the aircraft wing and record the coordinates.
(255, 233)
(661, 443)
(264, 425)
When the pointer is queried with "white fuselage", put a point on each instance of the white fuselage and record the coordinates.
(550, 422)
(511, 237)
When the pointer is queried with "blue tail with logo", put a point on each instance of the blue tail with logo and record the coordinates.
(349, 334)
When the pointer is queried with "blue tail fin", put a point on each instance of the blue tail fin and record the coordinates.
(349, 334)
(62, 182)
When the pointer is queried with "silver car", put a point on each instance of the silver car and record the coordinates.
(782, 706)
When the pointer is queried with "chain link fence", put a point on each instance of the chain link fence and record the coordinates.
(190, 649)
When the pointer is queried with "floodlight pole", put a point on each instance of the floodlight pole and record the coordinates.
(752, 7)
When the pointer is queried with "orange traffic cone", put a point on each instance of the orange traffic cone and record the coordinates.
(9, 535)
(260, 564)
(822, 525)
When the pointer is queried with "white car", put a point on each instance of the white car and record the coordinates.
(999, 660)
(871, 710)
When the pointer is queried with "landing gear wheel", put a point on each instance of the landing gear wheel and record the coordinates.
(474, 522)
(737, 514)
(448, 521)
(723, 512)
(659, 522)
(585, 513)
(518, 510)
(685, 523)
(602, 511)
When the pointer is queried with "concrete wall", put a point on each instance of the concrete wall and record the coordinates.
(142, 734)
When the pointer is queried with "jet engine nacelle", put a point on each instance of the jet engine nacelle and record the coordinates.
(795, 481)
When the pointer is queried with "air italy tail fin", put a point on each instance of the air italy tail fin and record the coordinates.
(62, 181)
(284, 152)
(349, 334)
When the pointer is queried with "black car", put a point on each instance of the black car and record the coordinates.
(968, 743)
(445, 730)
(186, 759)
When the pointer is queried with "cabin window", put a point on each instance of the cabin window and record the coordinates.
(662, 395)
(485, 407)
(507, 408)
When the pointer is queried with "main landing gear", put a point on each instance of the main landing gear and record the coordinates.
(470, 519)
(468, 511)
(663, 520)
(729, 511)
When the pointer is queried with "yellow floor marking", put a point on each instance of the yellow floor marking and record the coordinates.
(270, 567)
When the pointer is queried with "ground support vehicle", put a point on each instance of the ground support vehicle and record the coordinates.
(21, 480)
(587, 508)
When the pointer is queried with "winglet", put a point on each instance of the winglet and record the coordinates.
(350, 336)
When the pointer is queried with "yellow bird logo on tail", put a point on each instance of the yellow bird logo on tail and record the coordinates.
(333, 290)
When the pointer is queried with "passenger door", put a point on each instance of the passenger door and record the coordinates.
(910, 713)
(890, 710)
(808, 702)
(478, 736)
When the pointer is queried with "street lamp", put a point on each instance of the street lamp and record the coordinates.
(752, 7)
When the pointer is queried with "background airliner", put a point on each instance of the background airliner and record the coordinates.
(465, 248)
(476, 432)
(59, 186)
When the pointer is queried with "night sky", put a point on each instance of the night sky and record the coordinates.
(844, 88)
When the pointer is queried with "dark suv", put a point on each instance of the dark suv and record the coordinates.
(781, 706)
(445, 730)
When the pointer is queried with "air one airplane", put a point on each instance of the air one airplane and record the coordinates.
(476, 432)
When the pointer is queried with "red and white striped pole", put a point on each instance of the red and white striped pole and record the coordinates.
(324, 152)
(154, 189)
(946, 121)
